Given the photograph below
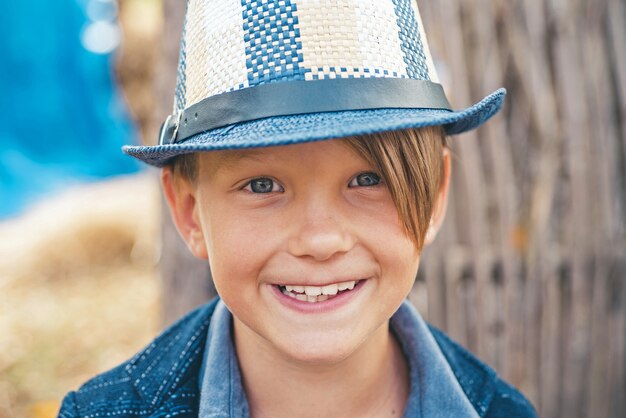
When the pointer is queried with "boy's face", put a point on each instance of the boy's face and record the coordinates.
(310, 214)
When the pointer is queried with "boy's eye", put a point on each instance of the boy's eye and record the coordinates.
(365, 180)
(263, 185)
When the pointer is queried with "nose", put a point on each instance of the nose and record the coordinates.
(321, 238)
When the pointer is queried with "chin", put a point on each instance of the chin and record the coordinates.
(319, 350)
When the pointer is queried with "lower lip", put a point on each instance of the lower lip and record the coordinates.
(318, 307)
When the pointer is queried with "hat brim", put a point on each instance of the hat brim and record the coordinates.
(293, 129)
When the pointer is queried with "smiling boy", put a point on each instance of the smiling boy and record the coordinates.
(312, 259)
(306, 161)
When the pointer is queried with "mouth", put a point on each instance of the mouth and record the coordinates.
(318, 294)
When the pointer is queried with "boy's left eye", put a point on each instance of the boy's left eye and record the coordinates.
(263, 185)
(365, 180)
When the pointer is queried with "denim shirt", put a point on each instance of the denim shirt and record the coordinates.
(434, 390)
(164, 379)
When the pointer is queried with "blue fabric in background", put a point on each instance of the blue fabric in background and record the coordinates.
(62, 117)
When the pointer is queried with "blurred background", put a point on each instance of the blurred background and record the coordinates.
(529, 271)
(79, 220)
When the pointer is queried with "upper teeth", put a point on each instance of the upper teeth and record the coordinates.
(330, 289)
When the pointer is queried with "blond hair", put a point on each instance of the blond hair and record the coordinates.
(410, 163)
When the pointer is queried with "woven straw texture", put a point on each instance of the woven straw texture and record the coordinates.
(286, 130)
(230, 45)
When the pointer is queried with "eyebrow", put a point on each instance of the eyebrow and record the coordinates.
(232, 157)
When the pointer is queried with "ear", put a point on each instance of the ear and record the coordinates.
(441, 201)
(181, 199)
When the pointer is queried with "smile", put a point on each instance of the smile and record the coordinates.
(314, 294)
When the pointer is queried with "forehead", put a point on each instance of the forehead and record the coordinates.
(214, 161)
(227, 157)
(304, 153)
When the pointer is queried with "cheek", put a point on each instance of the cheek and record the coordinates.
(238, 247)
(396, 253)
(386, 228)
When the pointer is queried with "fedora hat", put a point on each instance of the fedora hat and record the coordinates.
(257, 73)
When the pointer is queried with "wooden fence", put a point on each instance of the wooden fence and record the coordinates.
(529, 271)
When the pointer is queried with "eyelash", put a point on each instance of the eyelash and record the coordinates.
(370, 174)
(249, 186)
(274, 184)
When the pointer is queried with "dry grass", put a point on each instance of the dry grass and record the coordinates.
(78, 290)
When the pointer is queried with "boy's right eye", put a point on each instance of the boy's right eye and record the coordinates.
(263, 185)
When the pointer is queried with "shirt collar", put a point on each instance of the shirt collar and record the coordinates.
(221, 390)
(434, 390)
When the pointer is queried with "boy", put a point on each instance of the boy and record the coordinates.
(306, 161)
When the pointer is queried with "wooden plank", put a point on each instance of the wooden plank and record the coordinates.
(568, 64)
(529, 59)
(186, 280)
(603, 161)
(501, 263)
(453, 268)
(616, 35)
(599, 390)
(471, 223)
(418, 295)
(616, 55)
(616, 39)
(432, 265)
(617, 337)
(551, 345)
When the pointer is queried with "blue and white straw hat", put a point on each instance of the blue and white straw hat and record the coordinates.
(257, 73)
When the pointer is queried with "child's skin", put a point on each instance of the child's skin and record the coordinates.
(305, 214)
